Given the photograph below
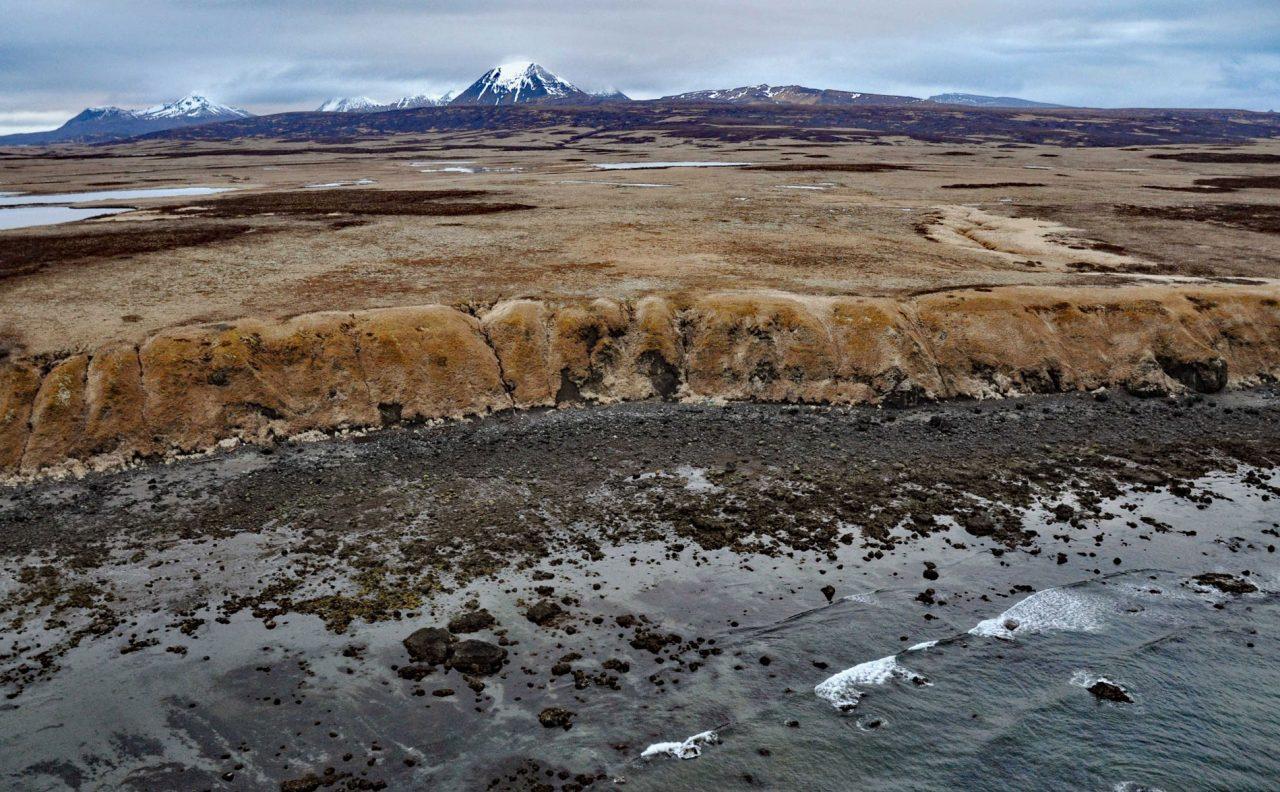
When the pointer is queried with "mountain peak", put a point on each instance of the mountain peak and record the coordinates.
(420, 100)
(517, 82)
(349, 104)
(194, 106)
(102, 113)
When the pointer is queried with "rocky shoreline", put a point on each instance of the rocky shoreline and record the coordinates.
(451, 563)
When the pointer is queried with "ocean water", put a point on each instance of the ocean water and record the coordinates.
(991, 694)
(867, 690)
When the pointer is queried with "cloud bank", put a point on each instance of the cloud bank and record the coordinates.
(268, 55)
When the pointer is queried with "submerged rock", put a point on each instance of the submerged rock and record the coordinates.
(1227, 584)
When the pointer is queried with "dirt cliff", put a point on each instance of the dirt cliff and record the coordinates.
(189, 388)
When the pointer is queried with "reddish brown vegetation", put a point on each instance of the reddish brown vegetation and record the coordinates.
(25, 254)
(436, 203)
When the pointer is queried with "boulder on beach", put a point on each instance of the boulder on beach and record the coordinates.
(429, 645)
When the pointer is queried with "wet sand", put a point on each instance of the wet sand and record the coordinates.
(649, 572)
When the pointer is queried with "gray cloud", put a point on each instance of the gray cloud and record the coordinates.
(267, 55)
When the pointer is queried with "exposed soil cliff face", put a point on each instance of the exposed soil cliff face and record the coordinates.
(189, 388)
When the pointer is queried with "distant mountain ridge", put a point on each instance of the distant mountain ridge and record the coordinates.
(979, 100)
(790, 94)
(96, 124)
(513, 83)
(519, 82)
(349, 104)
(363, 104)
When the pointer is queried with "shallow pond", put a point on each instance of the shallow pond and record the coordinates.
(27, 199)
(656, 165)
(27, 216)
(24, 210)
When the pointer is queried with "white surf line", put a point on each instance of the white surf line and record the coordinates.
(844, 689)
(689, 748)
(1050, 610)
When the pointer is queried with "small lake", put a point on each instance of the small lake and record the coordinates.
(27, 216)
(18, 199)
(655, 165)
(18, 210)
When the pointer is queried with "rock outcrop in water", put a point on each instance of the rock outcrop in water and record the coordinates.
(1106, 690)
(187, 389)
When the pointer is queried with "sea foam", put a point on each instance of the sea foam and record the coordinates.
(1050, 610)
(690, 748)
(843, 690)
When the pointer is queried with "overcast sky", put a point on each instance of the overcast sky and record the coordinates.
(58, 56)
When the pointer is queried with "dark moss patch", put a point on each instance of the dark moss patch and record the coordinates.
(1229, 157)
(431, 203)
(1226, 184)
(990, 185)
(835, 167)
(26, 253)
(1263, 218)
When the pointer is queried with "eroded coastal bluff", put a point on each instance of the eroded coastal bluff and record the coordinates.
(189, 388)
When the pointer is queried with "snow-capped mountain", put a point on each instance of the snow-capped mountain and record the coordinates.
(350, 104)
(517, 83)
(978, 100)
(790, 94)
(363, 104)
(421, 100)
(194, 107)
(97, 124)
(610, 95)
(102, 115)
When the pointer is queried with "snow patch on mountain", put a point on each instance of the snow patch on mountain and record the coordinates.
(349, 104)
(790, 94)
(517, 82)
(194, 106)
(420, 100)
(978, 100)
